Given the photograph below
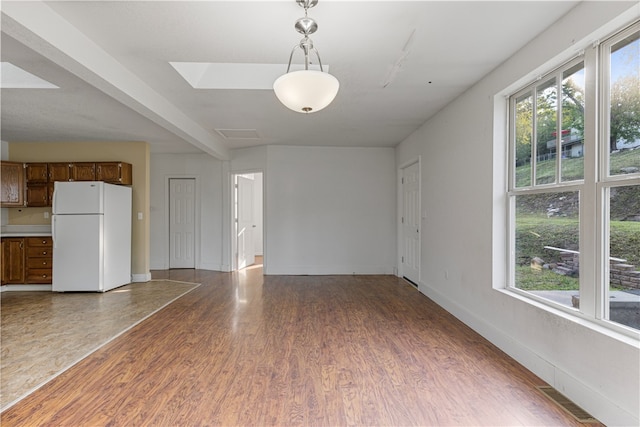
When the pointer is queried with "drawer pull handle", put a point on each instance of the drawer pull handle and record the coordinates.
(44, 252)
(44, 242)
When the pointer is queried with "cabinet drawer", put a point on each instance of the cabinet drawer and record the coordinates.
(39, 241)
(39, 275)
(38, 252)
(42, 263)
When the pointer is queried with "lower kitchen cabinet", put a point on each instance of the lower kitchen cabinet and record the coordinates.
(39, 259)
(13, 260)
(27, 260)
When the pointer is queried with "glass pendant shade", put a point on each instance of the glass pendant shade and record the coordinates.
(306, 91)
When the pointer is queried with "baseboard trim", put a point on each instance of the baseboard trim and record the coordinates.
(212, 267)
(137, 278)
(326, 270)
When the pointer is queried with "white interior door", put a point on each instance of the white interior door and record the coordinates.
(182, 202)
(244, 220)
(410, 257)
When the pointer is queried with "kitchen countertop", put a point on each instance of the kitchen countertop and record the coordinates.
(25, 230)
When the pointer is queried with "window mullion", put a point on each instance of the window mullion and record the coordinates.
(591, 274)
(534, 135)
(558, 126)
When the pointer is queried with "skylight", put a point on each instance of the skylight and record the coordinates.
(13, 77)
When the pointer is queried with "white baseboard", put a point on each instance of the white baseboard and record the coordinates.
(137, 278)
(212, 267)
(325, 270)
(597, 404)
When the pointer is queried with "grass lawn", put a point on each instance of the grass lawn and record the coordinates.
(573, 169)
(544, 280)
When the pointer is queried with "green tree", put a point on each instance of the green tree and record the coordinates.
(546, 116)
(523, 129)
(624, 119)
(572, 106)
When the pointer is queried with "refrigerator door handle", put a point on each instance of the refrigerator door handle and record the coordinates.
(53, 229)
(53, 202)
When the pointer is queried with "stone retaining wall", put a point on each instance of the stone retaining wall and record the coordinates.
(620, 273)
(624, 275)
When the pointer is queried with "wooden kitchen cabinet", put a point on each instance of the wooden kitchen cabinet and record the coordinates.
(11, 184)
(59, 172)
(38, 195)
(39, 258)
(13, 260)
(83, 171)
(36, 173)
(114, 172)
(37, 176)
(31, 184)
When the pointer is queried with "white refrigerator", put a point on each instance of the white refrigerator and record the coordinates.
(91, 229)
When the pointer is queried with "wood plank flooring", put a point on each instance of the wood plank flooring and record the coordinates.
(44, 333)
(252, 350)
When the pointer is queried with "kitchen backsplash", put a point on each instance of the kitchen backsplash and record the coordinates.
(29, 216)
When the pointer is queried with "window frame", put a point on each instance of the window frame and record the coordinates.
(593, 189)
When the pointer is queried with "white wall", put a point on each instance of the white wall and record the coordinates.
(4, 155)
(258, 203)
(464, 232)
(210, 175)
(330, 210)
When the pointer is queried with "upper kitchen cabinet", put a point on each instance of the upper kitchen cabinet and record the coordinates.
(59, 172)
(38, 195)
(83, 171)
(31, 184)
(11, 184)
(114, 172)
(36, 173)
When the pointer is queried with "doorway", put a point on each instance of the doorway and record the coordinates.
(410, 223)
(182, 222)
(248, 230)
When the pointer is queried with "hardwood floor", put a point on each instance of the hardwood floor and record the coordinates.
(253, 350)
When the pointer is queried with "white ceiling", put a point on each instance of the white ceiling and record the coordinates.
(111, 61)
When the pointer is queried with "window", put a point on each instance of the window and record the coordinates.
(574, 185)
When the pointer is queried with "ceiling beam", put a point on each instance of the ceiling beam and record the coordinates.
(41, 29)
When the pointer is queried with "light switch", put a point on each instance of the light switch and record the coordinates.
(139, 216)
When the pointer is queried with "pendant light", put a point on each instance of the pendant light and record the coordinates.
(306, 91)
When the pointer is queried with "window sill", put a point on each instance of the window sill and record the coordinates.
(609, 329)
